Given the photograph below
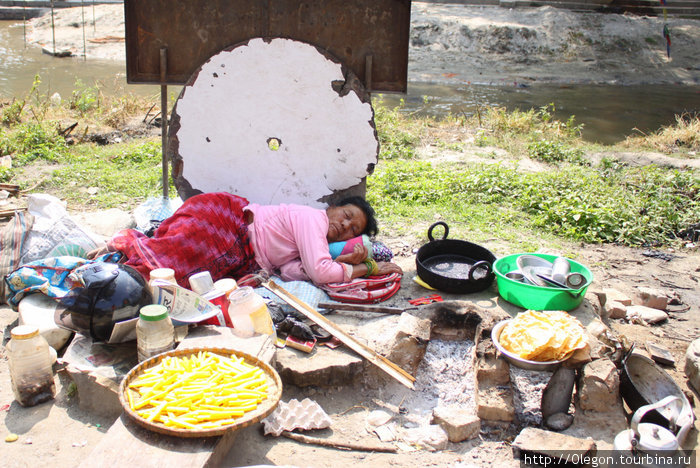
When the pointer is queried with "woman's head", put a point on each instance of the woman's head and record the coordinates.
(350, 217)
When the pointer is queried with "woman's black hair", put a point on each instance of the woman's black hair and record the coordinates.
(371, 229)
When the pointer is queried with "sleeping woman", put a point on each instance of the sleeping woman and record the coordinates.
(229, 237)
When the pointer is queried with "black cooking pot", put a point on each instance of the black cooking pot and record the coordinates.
(642, 382)
(454, 266)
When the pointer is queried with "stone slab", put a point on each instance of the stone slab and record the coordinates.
(532, 441)
(323, 367)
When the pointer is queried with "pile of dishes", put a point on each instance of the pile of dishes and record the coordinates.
(541, 281)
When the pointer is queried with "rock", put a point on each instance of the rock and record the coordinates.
(599, 386)
(378, 418)
(610, 294)
(653, 298)
(559, 421)
(647, 314)
(692, 364)
(556, 397)
(407, 348)
(532, 441)
(615, 310)
(432, 437)
(459, 423)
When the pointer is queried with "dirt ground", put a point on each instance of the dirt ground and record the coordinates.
(502, 46)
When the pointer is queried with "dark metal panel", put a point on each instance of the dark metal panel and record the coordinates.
(195, 30)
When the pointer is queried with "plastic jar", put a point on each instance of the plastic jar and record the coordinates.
(166, 275)
(249, 313)
(154, 331)
(31, 372)
(202, 284)
(226, 285)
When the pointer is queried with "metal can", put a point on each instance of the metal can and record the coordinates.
(575, 280)
(560, 268)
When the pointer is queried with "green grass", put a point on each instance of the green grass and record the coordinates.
(572, 200)
(118, 175)
(608, 203)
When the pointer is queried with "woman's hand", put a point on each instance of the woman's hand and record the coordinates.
(358, 255)
(386, 268)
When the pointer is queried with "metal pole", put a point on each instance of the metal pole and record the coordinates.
(24, 23)
(82, 8)
(94, 23)
(53, 30)
(164, 117)
(368, 74)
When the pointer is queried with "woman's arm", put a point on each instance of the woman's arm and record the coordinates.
(383, 268)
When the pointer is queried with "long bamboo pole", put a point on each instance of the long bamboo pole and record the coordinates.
(377, 359)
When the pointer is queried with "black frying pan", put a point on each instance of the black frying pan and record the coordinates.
(642, 382)
(454, 266)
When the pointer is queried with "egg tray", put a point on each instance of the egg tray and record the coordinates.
(267, 406)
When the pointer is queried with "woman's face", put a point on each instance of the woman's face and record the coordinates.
(345, 222)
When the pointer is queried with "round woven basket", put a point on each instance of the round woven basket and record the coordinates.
(274, 393)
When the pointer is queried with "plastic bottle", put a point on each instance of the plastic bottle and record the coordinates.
(249, 314)
(31, 372)
(155, 333)
(202, 284)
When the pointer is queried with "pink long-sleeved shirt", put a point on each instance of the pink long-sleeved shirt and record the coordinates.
(292, 239)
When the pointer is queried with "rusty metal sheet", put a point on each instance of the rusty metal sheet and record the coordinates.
(194, 30)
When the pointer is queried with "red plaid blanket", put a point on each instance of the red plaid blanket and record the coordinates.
(207, 233)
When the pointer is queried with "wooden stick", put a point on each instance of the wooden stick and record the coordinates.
(8, 213)
(338, 445)
(9, 187)
(361, 308)
(377, 359)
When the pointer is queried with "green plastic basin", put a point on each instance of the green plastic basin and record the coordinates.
(533, 297)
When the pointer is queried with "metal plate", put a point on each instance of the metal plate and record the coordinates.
(195, 30)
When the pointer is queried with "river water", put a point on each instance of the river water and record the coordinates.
(608, 113)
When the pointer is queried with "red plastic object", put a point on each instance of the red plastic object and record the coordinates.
(425, 300)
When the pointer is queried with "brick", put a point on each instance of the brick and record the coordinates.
(599, 386)
(459, 423)
(495, 403)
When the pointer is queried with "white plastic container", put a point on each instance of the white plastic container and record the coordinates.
(203, 284)
(31, 372)
(249, 314)
(155, 333)
(39, 310)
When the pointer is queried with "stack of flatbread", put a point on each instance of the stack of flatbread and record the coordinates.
(543, 336)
